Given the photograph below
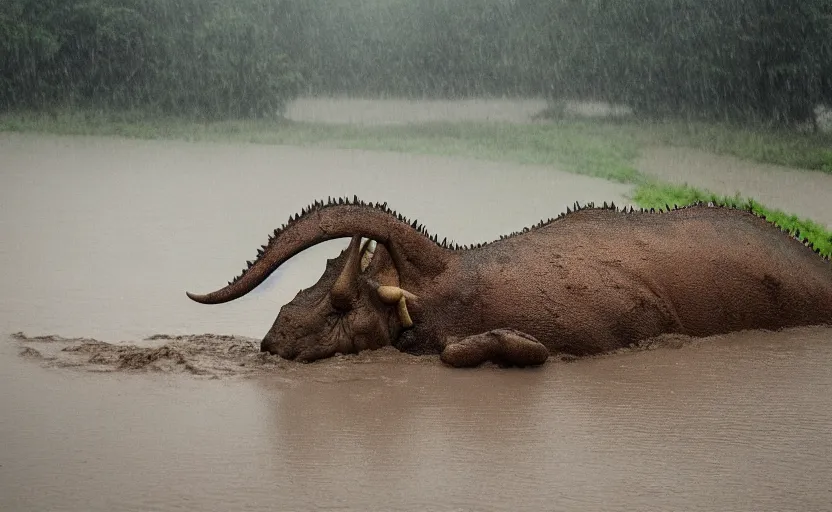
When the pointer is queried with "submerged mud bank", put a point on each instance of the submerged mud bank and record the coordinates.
(204, 355)
(225, 356)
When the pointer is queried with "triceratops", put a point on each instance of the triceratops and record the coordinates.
(590, 281)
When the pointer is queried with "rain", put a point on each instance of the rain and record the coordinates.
(154, 147)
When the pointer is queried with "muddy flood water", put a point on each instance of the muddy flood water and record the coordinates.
(120, 394)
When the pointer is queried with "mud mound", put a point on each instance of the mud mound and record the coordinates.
(222, 356)
(48, 338)
(219, 356)
(205, 354)
(30, 352)
(665, 341)
(208, 355)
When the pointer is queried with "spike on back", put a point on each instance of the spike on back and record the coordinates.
(356, 201)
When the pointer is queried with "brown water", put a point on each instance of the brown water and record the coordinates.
(101, 237)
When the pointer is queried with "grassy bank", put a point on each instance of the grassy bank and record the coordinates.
(602, 149)
(763, 144)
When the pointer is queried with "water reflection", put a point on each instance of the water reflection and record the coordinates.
(694, 428)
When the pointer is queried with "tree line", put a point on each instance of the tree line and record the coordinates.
(207, 58)
(761, 59)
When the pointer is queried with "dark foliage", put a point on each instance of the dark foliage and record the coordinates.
(208, 58)
(768, 60)
(761, 59)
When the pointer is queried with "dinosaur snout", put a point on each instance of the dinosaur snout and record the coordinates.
(274, 345)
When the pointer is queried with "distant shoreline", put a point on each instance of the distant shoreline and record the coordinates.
(495, 130)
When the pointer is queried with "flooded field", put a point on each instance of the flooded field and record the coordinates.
(144, 400)
(805, 193)
(398, 111)
(401, 111)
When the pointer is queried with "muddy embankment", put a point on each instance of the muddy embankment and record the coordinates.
(202, 355)
(217, 356)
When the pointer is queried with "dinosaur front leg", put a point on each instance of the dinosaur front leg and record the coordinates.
(507, 347)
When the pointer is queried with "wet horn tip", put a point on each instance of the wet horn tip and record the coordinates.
(197, 298)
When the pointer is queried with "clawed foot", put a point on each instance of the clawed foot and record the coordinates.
(506, 347)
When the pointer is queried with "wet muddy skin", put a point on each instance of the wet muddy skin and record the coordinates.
(101, 237)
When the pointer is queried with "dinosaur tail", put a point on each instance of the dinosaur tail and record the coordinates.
(407, 243)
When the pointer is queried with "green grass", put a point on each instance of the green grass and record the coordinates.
(604, 149)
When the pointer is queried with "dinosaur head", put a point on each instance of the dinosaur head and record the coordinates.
(355, 305)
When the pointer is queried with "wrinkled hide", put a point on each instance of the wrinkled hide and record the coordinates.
(590, 281)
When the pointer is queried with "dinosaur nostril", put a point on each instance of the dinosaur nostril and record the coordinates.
(268, 345)
(287, 352)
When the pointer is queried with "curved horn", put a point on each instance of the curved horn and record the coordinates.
(408, 247)
(345, 289)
